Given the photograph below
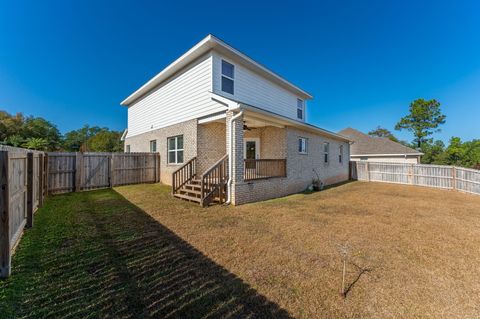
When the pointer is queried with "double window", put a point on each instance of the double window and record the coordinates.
(153, 146)
(175, 149)
(302, 145)
(300, 109)
(326, 150)
(228, 75)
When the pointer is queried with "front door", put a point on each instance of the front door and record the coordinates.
(251, 148)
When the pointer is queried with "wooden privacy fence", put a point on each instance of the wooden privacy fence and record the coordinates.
(436, 176)
(22, 181)
(70, 172)
(26, 177)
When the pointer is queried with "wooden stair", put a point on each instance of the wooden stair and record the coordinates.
(191, 191)
(207, 189)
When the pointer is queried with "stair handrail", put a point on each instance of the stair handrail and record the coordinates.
(213, 180)
(184, 174)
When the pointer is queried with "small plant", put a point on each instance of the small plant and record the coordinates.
(317, 183)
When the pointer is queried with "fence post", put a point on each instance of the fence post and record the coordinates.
(111, 171)
(5, 257)
(410, 173)
(367, 168)
(157, 168)
(47, 174)
(41, 168)
(454, 180)
(30, 190)
(78, 171)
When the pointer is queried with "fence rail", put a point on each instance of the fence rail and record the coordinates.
(436, 176)
(69, 172)
(26, 177)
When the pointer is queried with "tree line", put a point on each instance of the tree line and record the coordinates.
(37, 133)
(423, 120)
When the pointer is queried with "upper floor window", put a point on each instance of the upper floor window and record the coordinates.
(228, 75)
(300, 109)
(340, 154)
(326, 150)
(175, 149)
(302, 145)
(153, 146)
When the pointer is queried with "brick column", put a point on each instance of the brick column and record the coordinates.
(237, 158)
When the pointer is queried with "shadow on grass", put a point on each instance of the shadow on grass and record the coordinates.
(94, 254)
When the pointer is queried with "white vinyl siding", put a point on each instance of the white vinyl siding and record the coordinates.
(253, 89)
(184, 97)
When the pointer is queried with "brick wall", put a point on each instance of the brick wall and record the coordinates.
(211, 144)
(141, 143)
(299, 166)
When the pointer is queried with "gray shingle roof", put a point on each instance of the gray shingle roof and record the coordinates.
(366, 144)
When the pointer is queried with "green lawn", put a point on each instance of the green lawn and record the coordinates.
(136, 252)
(93, 254)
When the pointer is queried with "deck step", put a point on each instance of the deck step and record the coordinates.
(186, 197)
(190, 191)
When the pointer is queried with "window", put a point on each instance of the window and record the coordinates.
(175, 149)
(326, 149)
(228, 74)
(127, 148)
(302, 145)
(300, 109)
(340, 154)
(153, 146)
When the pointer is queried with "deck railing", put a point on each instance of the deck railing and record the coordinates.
(184, 174)
(213, 182)
(264, 168)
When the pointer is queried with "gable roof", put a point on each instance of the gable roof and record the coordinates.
(364, 144)
(208, 43)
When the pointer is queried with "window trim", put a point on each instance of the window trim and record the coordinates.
(127, 148)
(340, 154)
(326, 152)
(304, 150)
(153, 142)
(232, 78)
(301, 108)
(175, 150)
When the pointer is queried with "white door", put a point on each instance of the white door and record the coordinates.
(251, 148)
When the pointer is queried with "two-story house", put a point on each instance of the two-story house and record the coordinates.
(230, 130)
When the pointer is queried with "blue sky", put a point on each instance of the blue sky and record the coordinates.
(72, 62)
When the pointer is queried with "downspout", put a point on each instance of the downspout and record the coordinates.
(230, 155)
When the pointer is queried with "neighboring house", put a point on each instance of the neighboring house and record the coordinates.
(229, 129)
(378, 149)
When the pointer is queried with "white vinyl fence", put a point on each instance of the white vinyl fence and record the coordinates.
(436, 176)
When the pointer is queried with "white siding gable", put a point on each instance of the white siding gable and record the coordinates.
(253, 89)
(184, 97)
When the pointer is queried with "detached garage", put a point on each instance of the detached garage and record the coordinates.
(378, 149)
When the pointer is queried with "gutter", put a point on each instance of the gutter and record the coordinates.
(230, 155)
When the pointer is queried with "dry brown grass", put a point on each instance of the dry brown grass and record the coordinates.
(413, 252)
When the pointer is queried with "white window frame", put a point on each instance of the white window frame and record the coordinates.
(304, 149)
(302, 108)
(127, 148)
(326, 152)
(175, 150)
(153, 142)
(227, 77)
